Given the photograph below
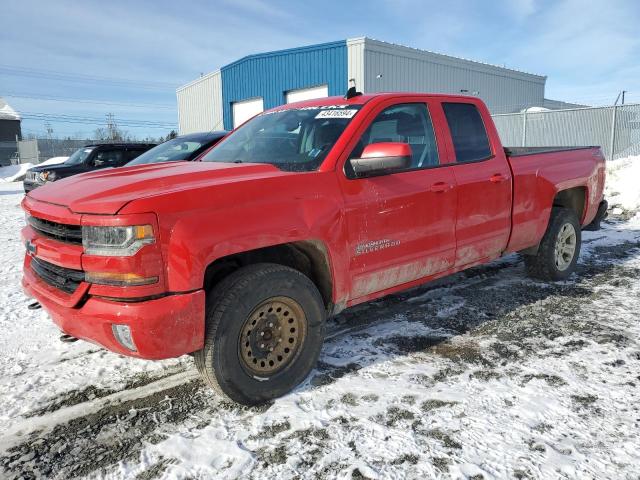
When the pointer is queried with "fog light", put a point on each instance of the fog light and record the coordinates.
(123, 335)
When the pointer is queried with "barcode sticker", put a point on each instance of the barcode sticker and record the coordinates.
(347, 113)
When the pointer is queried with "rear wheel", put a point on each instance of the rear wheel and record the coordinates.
(559, 249)
(264, 331)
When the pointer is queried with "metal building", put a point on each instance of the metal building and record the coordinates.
(10, 132)
(236, 92)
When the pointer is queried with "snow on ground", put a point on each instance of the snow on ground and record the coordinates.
(623, 184)
(486, 374)
(53, 161)
(14, 173)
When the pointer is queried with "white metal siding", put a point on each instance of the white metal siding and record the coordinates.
(355, 62)
(200, 105)
(388, 67)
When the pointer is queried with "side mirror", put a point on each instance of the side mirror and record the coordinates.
(382, 158)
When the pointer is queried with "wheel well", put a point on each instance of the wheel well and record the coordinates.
(572, 198)
(308, 257)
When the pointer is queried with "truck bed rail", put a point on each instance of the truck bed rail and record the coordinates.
(522, 151)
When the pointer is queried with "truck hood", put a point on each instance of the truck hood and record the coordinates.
(59, 168)
(56, 167)
(107, 191)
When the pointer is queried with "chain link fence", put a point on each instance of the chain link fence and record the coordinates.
(616, 129)
(60, 147)
(8, 153)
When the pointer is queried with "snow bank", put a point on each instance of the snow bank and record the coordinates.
(53, 161)
(14, 173)
(6, 112)
(622, 186)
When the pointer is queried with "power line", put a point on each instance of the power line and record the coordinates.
(88, 118)
(83, 78)
(94, 121)
(95, 102)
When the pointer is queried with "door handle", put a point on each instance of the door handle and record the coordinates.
(440, 187)
(497, 178)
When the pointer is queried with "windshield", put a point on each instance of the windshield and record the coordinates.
(79, 156)
(171, 151)
(292, 140)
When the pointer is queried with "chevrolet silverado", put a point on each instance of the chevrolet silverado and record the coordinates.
(305, 210)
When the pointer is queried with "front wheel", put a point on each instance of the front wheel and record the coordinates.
(264, 331)
(559, 249)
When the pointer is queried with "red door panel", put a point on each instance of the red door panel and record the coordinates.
(483, 179)
(484, 209)
(399, 228)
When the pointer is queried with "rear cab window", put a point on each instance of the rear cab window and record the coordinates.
(468, 133)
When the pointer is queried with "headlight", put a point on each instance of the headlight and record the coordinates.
(47, 177)
(116, 241)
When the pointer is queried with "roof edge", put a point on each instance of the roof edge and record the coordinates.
(286, 51)
(199, 79)
(382, 43)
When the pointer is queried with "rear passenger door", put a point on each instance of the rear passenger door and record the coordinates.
(401, 226)
(484, 184)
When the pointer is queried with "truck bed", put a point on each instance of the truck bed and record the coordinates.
(540, 172)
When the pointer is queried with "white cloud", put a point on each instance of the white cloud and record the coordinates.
(520, 9)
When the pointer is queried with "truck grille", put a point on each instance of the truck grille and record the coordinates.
(57, 231)
(65, 279)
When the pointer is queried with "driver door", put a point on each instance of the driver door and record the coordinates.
(401, 226)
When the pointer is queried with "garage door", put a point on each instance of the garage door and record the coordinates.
(243, 111)
(307, 93)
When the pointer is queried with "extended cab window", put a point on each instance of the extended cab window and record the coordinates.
(469, 136)
(406, 123)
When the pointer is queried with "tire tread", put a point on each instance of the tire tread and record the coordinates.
(219, 299)
(542, 265)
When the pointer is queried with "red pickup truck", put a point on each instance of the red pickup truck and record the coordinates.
(303, 211)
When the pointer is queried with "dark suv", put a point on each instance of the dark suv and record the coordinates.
(183, 148)
(87, 158)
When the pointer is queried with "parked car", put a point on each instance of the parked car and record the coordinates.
(88, 158)
(185, 147)
(303, 211)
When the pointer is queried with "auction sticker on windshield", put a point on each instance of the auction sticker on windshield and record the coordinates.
(347, 113)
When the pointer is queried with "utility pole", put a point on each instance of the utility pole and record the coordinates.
(49, 130)
(112, 128)
(621, 94)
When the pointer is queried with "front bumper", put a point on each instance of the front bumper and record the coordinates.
(166, 327)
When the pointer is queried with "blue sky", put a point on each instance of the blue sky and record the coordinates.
(63, 54)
